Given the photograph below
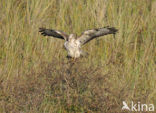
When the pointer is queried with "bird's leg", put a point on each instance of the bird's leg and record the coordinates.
(71, 59)
(74, 59)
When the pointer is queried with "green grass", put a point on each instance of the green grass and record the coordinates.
(36, 77)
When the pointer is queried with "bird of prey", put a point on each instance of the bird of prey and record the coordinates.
(73, 43)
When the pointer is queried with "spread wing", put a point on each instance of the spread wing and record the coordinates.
(91, 34)
(53, 33)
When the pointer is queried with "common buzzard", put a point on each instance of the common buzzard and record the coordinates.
(73, 43)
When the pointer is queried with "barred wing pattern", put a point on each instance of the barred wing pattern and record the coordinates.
(53, 33)
(94, 33)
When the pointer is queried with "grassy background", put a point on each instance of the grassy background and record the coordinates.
(35, 76)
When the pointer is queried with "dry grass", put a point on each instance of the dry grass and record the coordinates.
(35, 76)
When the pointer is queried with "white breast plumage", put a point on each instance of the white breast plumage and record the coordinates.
(73, 43)
(73, 48)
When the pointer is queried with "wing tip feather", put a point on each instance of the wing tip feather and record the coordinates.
(113, 30)
(43, 31)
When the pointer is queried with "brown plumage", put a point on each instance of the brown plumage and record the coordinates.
(73, 43)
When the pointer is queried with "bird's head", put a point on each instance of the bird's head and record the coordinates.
(72, 37)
